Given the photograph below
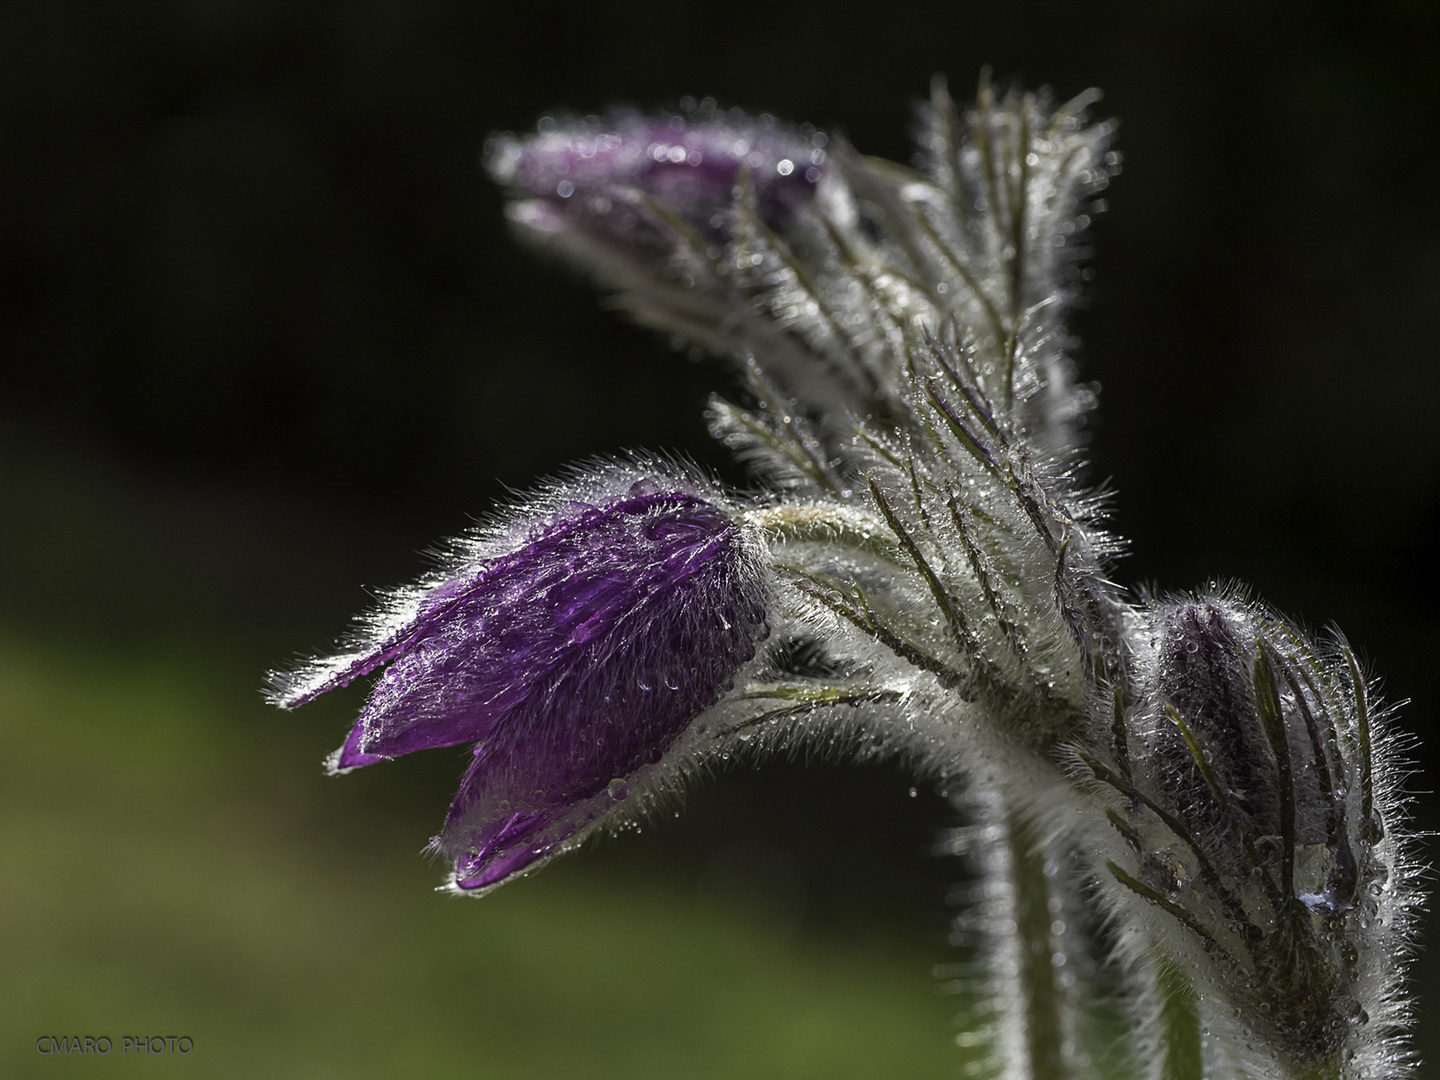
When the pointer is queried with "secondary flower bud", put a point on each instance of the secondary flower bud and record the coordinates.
(620, 175)
(1249, 801)
(572, 658)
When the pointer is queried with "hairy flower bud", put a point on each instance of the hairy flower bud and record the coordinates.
(572, 657)
(623, 174)
(1246, 771)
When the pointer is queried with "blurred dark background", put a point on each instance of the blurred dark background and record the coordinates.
(264, 337)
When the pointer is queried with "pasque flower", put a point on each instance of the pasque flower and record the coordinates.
(1186, 813)
(571, 651)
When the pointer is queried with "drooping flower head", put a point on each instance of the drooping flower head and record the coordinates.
(667, 209)
(571, 650)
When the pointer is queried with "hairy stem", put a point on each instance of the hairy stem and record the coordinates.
(1179, 1022)
(1039, 949)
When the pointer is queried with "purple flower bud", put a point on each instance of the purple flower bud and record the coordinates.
(1246, 766)
(601, 173)
(1204, 671)
(572, 653)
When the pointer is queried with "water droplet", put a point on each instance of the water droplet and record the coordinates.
(564, 189)
(913, 793)
(617, 789)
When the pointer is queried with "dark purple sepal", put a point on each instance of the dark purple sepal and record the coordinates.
(1204, 665)
(490, 841)
(628, 650)
(569, 627)
(350, 756)
(502, 849)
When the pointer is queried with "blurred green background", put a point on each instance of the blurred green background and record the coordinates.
(264, 337)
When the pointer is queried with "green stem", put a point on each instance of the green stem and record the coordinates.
(1179, 1025)
(1044, 1000)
